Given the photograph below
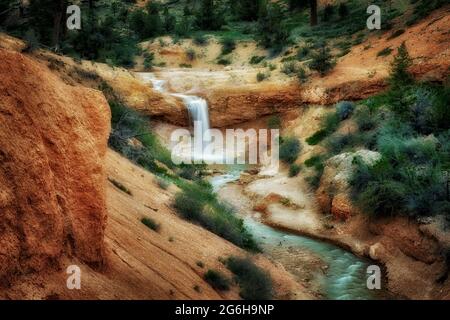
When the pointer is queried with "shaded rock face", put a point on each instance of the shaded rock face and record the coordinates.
(53, 138)
(333, 192)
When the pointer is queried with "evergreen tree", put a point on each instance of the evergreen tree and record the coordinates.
(399, 74)
(153, 24)
(297, 4)
(209, 17)
(272, 31)
(322, 60)
(47, 18)
(169, 20)
(247, 9)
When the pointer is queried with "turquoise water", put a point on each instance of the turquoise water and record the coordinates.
(345, 278)
(346, 275)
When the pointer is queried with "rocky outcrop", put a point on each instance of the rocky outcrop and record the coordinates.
(53, 139)
(229, 106)
(333, 192)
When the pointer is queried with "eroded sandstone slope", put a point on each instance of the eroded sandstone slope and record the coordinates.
(52, 146)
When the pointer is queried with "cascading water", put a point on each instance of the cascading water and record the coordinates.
(198, 112)
(158, 84)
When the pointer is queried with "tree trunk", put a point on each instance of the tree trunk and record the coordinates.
(59, 15)
(313, 10)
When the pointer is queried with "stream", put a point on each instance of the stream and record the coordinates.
(345, 277)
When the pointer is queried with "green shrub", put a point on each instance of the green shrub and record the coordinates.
(120, 186)
(317, 137)
(148, 60)
(314, 161)
(289, 68)
(224, 61)
(162, 183)
(127, 123)
(256, 59)
(396, 33)
(228, 45)
(200, 40)
(274, 122)
(364, 118)
(197, 202)
(217, 280)
(191, 54)
(261, 76)
(344, 109)
(254, 282)
(302, 76)
(294, 170)
(384, 52)
(152, 224)
(303, 53)
(321, 61)
(191, 171)
(289, 149)
(338, 142)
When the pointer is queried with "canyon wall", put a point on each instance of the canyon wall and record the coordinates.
(53, 139)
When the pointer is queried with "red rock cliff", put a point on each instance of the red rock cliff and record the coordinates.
(53, 138)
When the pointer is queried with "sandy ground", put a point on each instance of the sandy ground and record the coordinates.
(303, 264)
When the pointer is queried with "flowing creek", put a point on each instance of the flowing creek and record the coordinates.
(345, 274)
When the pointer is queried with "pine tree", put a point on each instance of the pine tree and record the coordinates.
(399, 74)
(271, 28)
(209, 17)
(153, 24)
(322, 60)
(169, 20)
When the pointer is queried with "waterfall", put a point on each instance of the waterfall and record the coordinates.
(158, 84)
(198, 112)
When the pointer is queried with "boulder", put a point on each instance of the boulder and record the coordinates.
(334, 190)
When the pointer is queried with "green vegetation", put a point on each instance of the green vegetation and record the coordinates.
(409, 125)
(127, 125)
(112, 29)
(196, 202)
(120, 186)
(329, 124)
(256, 59)
(384, 52)
(162, 183)
(274, 122)
(321, 61)
(217, 280)
(294, 170)
(399, 75)
(228, 45)
(150, 223)
(261, 76)
(290, 148)
(254, 282)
